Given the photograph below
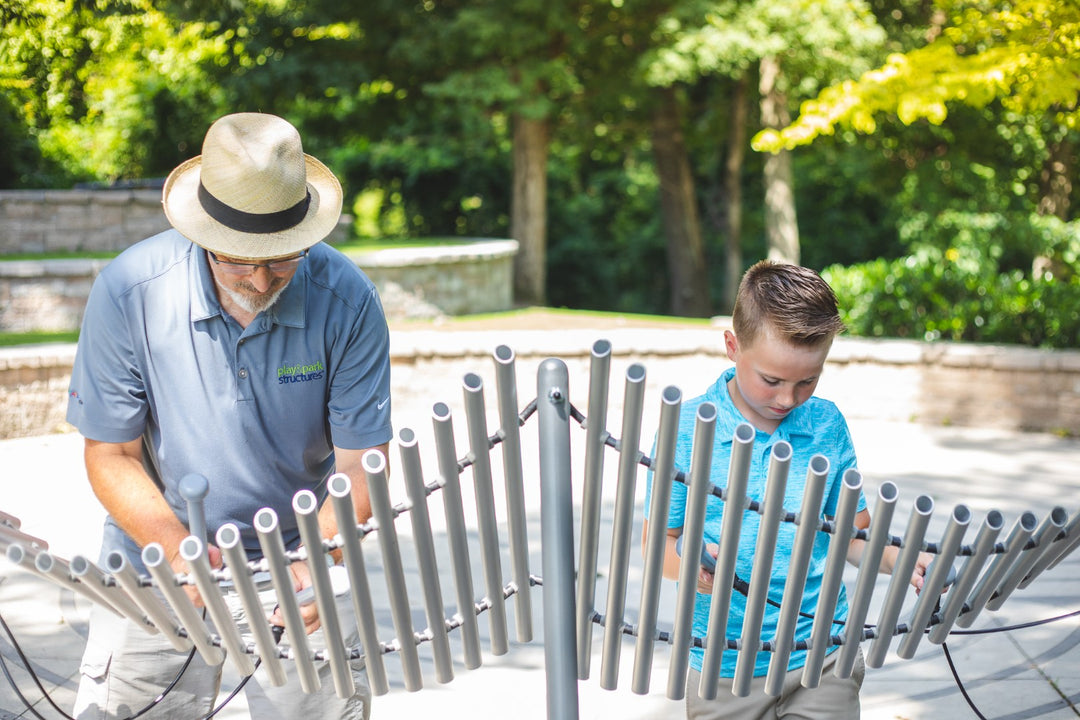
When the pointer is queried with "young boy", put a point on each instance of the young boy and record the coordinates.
(784, 322)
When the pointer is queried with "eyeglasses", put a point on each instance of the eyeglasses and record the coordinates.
(278, 267)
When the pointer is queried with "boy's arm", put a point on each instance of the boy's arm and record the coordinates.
(673, 562)
(888, 556)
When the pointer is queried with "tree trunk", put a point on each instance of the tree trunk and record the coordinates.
(528, 209)
(678, 208)
(1055, 193)
(781, 225)
(733, 259)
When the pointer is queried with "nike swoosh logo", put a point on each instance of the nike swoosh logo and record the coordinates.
(381, 405)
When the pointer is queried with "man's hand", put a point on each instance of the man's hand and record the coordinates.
(179, 565)
(309, 612)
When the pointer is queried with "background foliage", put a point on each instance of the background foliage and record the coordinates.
(925, 206)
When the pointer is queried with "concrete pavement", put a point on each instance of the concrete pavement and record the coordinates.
(1026, 673)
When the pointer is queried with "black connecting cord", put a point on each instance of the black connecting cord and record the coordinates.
(149, 706)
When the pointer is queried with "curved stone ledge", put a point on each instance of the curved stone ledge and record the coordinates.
(889, 380)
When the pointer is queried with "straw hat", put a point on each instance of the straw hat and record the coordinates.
(253, 193)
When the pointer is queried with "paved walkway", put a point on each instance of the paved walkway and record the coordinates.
(1025, 673)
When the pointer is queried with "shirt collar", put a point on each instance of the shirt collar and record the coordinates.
(798, 422)
(289, 309)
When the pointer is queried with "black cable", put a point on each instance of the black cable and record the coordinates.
(149, 706)
(960, 683)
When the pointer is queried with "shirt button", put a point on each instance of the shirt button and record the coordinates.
(243, 373)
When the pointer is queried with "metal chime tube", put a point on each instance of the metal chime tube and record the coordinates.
(995, 571)
(910, 548)
(89, 574)
(1049, 529)
(193, 551)
(457, 533)
(936, 576)
(967, 575)
(1068, 544)
(44, 564)
(306, 508)
(1068, 535)
(268, 531)
(479, 447)
(153, 557)
(742, 447)
(339, 485)
(629, 452)
(772, 513)
(506, 392)
(10, 535)
(595, 435)
(557, 539)
(808, 522)
(656, 542)
(425, 554)
(832, 577)
(232, 552)
(58, 570)
(118, 566)
(867, 576)
(379, 493)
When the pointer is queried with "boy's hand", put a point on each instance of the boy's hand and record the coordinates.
(705, 577)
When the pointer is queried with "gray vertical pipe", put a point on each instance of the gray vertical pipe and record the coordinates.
(194, 488)
(306, 508)
(479, 446)
(268, 531)
(379, 492)
(936, 575)
(339, 486)
(910, 548)
(832, 577)
(118, 566)
(967, 575)
(629, 453)
(742, 447)
(1049, 529)
(699, 486)
(232, 551)
(456, 533)
(656, 542)
(557, 539)
(425, 554)
(995, 571)
(772, 511)
(193, 551)
(869, 566)
(506, 391)
(1067, 545)
(808, 522)
(153, 557)
(592, 484)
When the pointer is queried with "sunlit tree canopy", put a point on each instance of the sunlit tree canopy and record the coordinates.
(1024, 54)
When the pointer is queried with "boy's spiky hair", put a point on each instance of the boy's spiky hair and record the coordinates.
(794, 301)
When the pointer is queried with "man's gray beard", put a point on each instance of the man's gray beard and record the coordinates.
(252, 304)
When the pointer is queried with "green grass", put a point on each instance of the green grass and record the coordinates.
(62, 255)
(10, 339)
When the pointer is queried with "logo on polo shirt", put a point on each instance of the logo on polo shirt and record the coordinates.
(300, 372)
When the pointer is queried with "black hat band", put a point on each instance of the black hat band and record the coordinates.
(261, 223)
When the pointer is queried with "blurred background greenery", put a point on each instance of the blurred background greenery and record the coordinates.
(637, 150)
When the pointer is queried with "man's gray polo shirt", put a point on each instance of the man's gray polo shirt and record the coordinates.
(256, 411)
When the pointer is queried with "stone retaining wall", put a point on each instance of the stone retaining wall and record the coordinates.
(929, 383)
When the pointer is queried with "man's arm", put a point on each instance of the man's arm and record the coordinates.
(130, 496)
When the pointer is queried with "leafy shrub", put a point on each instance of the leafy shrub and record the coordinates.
(966, 293)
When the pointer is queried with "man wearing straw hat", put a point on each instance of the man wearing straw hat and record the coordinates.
(239, 347)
